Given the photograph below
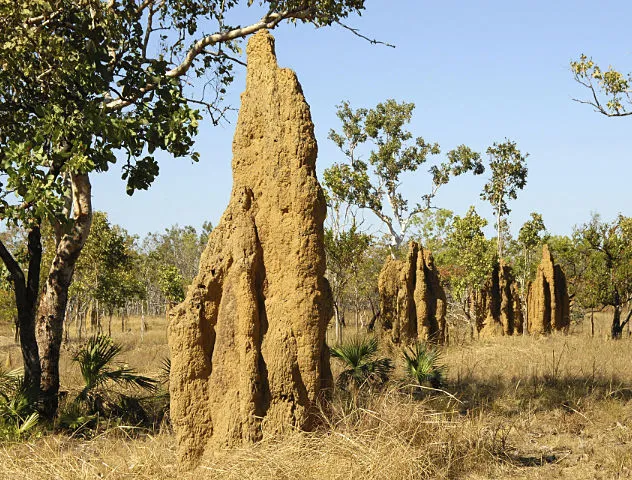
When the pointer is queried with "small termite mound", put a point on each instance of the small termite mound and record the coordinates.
(412, 300)
(499, 309)
(548, 301)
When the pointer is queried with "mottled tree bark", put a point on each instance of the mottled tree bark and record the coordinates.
(52, 306)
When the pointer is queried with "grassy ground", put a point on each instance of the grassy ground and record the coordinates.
(515, 408)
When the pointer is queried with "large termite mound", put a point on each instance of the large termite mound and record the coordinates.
(498, 306)
(548, 301)
(412, 300)
(248, 351)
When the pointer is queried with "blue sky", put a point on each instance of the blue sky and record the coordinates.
(478, 72)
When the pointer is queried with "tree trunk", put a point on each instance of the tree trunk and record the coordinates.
(500, 240)
(26, 291)
(338, 324)
(617, 328)
(142, 320)
(52, 306)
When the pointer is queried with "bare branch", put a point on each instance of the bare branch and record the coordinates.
(357, 33)
(222, 54)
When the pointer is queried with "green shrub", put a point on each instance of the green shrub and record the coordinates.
(423, 365)
(362, 367)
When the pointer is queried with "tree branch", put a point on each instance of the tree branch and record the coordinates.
(357, 33)
(596, 104)
(270, 21)
(222, 54)
(17, 275)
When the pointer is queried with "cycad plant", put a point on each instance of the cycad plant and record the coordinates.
(423, 365)
(18, 413)
(362, 367)
(95, 360)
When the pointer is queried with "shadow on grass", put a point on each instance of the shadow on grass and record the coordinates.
(538, 393)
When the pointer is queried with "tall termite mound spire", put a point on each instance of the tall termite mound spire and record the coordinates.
(248, 352)
(499, 310)
(413, 302)
(548, 301)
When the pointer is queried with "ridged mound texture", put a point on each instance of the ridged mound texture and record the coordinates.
(248, 351)
(548, 301)
(498, 307)
(412, 301)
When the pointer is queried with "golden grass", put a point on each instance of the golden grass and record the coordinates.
(523, 408)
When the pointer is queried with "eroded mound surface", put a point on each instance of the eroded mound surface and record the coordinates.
(498, 307)
(548, 300)
(413, 302)
(248, 343)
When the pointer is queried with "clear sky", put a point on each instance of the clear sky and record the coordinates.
(478, 72)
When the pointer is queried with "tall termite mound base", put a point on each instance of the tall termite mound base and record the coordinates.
(248, 352)
(498, 308)
(548, 301)
(412, 300)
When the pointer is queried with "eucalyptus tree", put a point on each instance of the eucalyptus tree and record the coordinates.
(180, 247)
(468, 258)
(375, 182)
(108, 270)
(345, 251)
(606, 249)
(610, 91)
(84, 83)
(508, 175)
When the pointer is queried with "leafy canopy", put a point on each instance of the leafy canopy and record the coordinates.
(84, 82)
(508, 175)
(373, 183)
(606, 250)
(610, 90)
(468, 255)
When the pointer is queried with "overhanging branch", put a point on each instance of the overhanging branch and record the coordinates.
(269, 22)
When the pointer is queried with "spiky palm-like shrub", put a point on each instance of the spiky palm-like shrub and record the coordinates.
(362, 367)
(96, 360)
(423, 365)
(18, 412)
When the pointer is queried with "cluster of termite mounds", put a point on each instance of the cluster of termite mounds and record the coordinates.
(248, 351)
(498, 309)
(412, 301)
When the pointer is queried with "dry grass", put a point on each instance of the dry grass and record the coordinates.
(556, 407)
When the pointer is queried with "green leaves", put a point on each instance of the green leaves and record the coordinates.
(362, 367)
(509, 174)
(610, 90)
(393, 152)
(95, 360)
(108, 269)
(468, 255)
(171, 283)
(18, 415)
(423, 365)
(530, 234)
(605, 251)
